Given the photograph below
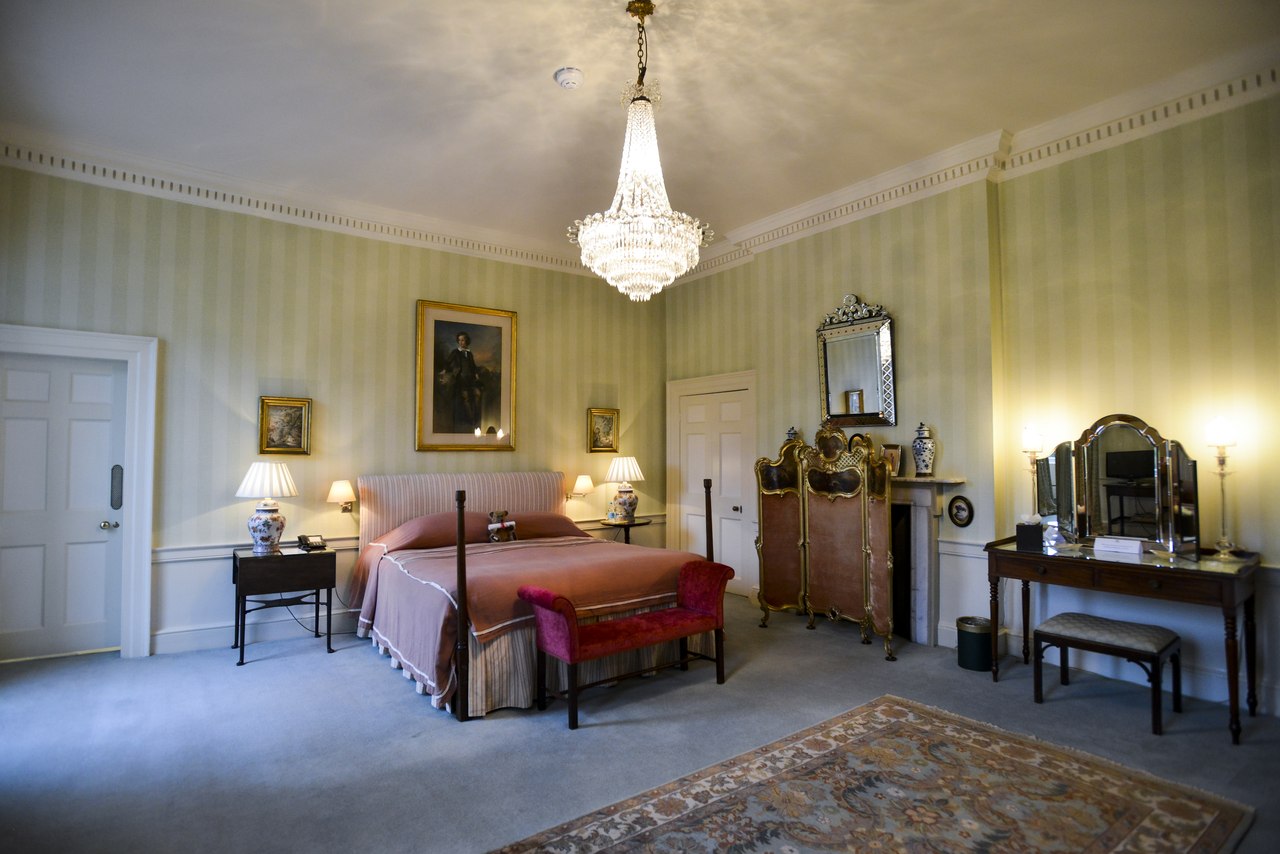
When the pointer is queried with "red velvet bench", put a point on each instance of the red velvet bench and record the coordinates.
(699, 608)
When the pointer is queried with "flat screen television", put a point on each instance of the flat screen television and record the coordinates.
(1131, 465)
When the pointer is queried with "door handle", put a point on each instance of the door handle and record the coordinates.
(107, 526)
(737, 508)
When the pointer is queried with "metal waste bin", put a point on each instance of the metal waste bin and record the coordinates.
(974, 643)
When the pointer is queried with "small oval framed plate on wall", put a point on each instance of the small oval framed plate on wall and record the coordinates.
(960, 511)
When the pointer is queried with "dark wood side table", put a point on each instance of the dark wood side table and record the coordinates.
(1227, 585)
(625, 526)
(286, 571)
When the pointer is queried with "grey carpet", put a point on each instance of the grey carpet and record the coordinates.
(300, 750)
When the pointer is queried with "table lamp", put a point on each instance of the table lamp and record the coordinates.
(622, 471)
(1220, 437)
(266, 524)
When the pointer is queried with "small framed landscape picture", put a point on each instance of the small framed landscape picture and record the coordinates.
(284, 425)
(893, 453)
(602, 431)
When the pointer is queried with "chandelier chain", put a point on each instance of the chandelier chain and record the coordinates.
(642, 54)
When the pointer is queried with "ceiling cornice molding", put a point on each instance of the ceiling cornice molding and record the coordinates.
(192, 186)
(972, 161)
(1225, 84)
(1198, 93)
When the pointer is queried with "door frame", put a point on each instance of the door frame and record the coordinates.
(676, 389)
(140, 356)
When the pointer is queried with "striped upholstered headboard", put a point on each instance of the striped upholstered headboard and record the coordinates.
(389, 500)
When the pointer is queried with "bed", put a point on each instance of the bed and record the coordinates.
(448, 615)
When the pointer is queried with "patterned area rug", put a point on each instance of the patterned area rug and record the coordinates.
(895, 775)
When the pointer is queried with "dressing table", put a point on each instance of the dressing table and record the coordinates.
(1154, 556)
(1223, 584)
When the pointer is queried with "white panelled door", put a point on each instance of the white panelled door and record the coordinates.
(716, 440)
(61, 431)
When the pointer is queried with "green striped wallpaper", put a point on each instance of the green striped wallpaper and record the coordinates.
(927, 263)
(1144, 279)
(245, 307)
(1139, 279)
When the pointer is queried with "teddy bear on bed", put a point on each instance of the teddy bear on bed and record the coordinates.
(500, 530)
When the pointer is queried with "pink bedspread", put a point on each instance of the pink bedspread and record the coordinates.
(409, 599)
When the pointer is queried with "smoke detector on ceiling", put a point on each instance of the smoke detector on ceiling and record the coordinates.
(568, 77)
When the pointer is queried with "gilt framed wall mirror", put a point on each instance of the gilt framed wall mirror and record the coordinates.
(855, 365)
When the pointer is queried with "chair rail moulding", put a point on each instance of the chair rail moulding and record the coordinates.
(924, 496)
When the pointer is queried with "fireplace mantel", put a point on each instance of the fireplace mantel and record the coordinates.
(924, 495)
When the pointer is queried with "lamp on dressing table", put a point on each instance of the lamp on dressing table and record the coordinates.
(1221, 437)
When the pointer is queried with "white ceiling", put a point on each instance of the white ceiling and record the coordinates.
(447, 111)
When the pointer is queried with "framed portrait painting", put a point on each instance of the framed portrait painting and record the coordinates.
(602, 431)
(284, 425)
(466, 378)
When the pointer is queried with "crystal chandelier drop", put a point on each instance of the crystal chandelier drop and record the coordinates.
(640, 245)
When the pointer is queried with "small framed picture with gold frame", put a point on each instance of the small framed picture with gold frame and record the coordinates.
(602, 431)
(284, 425)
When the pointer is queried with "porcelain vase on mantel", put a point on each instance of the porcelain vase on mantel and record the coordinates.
(923, 448)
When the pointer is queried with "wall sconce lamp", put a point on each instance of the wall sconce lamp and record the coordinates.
(1220, 436)
(582, 486)
(342, 493)
(265, 480)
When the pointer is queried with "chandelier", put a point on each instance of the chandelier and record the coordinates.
(640, 245)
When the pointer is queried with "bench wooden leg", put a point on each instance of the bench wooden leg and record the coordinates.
(573, 696)
(542, 680)
(684, 653)
(1064, 672)
(719, 656)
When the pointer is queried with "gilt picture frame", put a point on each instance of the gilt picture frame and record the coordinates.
(602, 431)
(465, 372)
(284, 425)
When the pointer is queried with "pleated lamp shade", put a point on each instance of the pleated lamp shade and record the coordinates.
(266, 481)
(624, 470)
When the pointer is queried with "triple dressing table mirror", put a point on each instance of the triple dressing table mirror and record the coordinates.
(855, 365)
(1122, 480)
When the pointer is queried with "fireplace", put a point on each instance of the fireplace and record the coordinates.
(921, 502)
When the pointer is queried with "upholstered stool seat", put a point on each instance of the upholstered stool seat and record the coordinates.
(1145, 645)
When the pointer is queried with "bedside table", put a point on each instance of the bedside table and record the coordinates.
(625, 526)
(285, 571)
